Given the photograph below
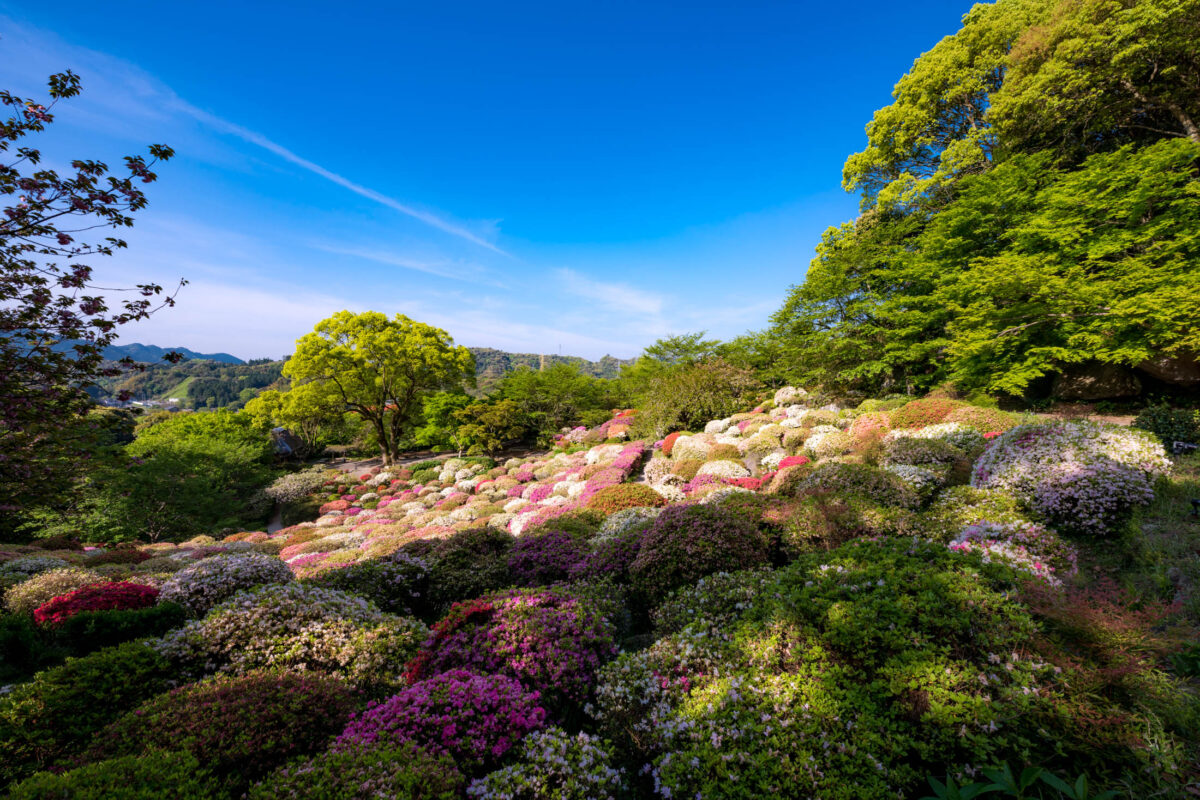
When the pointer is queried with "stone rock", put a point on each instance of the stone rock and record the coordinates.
(1182, 369)
(1096, 381)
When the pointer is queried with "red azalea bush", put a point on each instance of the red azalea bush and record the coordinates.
(475, 719)
(334, 505)
(547, 639)
(793, 461)
(240, 727)
(96, 597)
(687, 542)
(626, 495)
(669, 442)
(927, 411)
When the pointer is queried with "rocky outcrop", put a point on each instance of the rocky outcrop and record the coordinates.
(1096, 381)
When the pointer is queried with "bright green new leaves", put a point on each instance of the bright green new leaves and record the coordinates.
(379, 368)
(1100, 73)
(1100, 263)
(936, 131)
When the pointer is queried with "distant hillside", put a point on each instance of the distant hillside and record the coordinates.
(152, 353)
(224, 381)
(491, 364)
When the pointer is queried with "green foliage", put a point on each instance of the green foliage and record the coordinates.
(311, 414)
(1029, 202)
(379, 369)
(688, 396)
(186, 475)
(555, 398)
(485, 427)
(403, 771)
(88, 631)
(53, 717)
(1003, 782)
(1169, 424)
(151, 776)
(23, 648)
(441, 425)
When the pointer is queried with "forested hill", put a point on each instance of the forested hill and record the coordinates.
(153, 354)
(205, 381)
(491, 364)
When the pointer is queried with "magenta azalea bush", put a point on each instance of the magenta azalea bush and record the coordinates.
(476, 719)
(547, 639)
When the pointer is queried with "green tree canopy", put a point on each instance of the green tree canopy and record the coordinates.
(380, 368)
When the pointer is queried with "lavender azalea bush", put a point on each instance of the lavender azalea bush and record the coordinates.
(1079, 475)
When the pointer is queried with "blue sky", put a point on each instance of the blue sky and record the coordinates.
(531, 177)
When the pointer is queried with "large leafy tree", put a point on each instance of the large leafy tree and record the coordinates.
(48, 291)
(1030, 201)
(380, 369)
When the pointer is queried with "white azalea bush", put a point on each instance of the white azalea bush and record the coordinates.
(207, 582)
(955, 434)
(297, 627)
(1078, 475)
(554, 764)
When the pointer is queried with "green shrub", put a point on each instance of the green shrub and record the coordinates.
(1170, 424)
(304, 510)
(53, 717)
(23, 648)
(240, 727)
(862, 480)
(960, 506)
(398, 585)
(687, 468)
(434, 464)
(152, 776)
(612, 499)
(93, 630)
(401, 772)
(984, 420)
(468, 564)
(425, 476)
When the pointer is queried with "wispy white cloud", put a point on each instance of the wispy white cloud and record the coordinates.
(444, 269)
(615, 296)
(125, 96)
(247, 135)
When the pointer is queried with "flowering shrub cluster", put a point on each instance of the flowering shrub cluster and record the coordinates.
(297, 628)
(46, 585)
(96, 597)
(297, 485)
(206, 583)
(1026, 546)
(241, 727)
(400, 771)
(1078, 475)
(553, 765)
(548, 640)
(475, 719)
(687, 542)
(795, 601)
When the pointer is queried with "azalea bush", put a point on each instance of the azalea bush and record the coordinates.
(398, 583)
(865, 481)
(626, 495)
(468, 564)
(554, 765)
(686, 542)
(152, 776)
(54, 716)
(400, 772)
(1078, 475)
(473, 718)
(239, 727)
(206, 583)
(547, 556)
(295, 627)
(549, 640)
(120, 596)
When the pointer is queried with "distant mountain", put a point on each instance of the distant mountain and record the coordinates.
(491, 364)
(152, 353)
